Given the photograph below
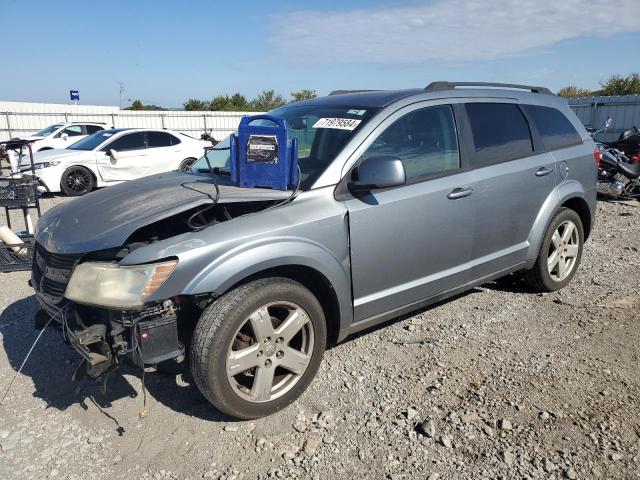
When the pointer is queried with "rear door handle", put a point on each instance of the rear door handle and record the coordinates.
(542, 171)
(459, 193)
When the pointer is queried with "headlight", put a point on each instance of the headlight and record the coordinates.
(113, 286)
(52, 163)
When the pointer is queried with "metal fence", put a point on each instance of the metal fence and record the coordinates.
(19, 119)
(22, 123)
(594, 111)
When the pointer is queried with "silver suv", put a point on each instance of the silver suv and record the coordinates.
(405, 198)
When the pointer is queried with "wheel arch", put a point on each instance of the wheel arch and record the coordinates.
(581, 207)
(313, 280)
(303, 261)
(569, 194)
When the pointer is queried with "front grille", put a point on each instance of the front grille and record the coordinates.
(51, 273)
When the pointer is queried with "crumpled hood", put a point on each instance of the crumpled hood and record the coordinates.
(107, 217)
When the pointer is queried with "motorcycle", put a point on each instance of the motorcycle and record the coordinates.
(617, 176)
(628, 142)
(208, 136)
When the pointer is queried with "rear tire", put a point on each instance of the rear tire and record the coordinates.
(77, 181)
(185, 165)
(256, 349)
(560, 253)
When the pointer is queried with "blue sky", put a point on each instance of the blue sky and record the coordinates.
(168, 51)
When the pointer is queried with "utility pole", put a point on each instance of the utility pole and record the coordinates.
(121, 85)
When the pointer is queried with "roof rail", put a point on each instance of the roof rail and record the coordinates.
(434, 86)
(343, 92)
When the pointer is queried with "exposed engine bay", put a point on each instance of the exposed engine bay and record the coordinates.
(106, 338)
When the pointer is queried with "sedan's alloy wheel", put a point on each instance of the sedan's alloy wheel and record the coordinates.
(78, 180)
(270, 352)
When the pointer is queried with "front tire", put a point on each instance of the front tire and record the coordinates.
(560, 253)
(77, 181)
(257, 348)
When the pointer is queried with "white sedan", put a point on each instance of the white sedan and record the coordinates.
(58, 135)
(113, 156)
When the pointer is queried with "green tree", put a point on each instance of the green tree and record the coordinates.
(234, 103)
(267, 100)
(573, 92)
(239, 103)
(136, 105)
(304, 94)
(194, 104)
(619, 85)
(220, 103)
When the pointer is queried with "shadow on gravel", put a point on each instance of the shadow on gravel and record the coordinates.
(510, 283)
(410, 314)
(52, 363)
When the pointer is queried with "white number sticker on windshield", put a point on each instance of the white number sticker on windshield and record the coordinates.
(339, 123)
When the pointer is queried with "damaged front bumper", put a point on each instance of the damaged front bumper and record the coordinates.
(105, 339)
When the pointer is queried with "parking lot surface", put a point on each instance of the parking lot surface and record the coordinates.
(500, 382)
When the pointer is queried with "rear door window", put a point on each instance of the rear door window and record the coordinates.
(91, 129)
(158, 139)
(555, 129)
(425, 140)
(500, 132)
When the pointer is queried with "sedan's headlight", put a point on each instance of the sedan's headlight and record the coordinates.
(113, 286)
(40, 165)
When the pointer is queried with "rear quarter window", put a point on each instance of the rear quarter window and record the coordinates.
(500, 132)
(555, 129)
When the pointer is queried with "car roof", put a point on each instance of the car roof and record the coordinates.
(435, 90)
(362, 98)
(66, 124)
(113, 131)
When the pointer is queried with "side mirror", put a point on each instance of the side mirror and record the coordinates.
(64, 136)
(113, 154)
(377, 172)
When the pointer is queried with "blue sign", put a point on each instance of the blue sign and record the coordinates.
(75, 95)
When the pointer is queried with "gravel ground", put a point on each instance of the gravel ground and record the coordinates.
(500, 382)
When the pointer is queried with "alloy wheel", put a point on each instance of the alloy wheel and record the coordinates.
(78, 180)
(563, 251)
(270, 352)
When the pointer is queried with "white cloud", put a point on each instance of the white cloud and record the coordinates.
(447, 30)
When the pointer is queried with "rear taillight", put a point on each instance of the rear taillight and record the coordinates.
(596, 156)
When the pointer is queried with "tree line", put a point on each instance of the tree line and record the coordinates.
(263, 102)
(270, 99)
(614, 85)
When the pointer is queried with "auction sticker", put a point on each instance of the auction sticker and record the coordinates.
(339, 123)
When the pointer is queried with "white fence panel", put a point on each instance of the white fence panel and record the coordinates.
(19, 119)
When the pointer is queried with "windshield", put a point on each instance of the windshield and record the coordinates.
(322, 132)
(48, 131)
(92, 141)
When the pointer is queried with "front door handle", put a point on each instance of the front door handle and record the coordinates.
(542, 171)
(459, 193)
